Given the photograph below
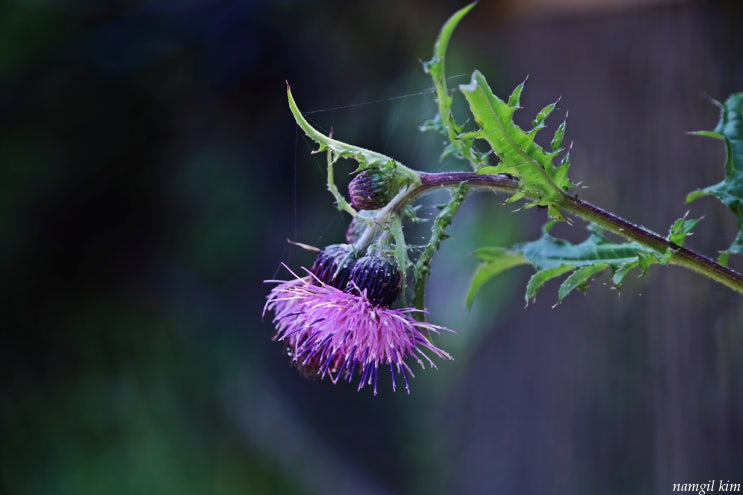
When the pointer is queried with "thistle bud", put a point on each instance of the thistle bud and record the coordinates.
(333, 264)
(370, 189)
(380, 278)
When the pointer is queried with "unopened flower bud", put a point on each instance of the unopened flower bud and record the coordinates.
(333, 264)
(370, 189)
(379, 277)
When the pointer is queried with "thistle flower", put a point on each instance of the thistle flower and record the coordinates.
(338, 334)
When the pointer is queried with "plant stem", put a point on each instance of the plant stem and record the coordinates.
(609, 221)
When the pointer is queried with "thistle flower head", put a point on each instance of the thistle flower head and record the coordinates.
(377, 277)
(371, 189)
(341, 335)
(334, 263)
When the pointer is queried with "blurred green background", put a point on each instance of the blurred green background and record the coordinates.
(151, 174)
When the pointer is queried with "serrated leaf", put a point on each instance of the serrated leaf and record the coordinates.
(553, 257)
(490, 253)
(556, 142)
(549, 251)
(496, 260)
(538, 121)
(730, 190)
(681, 229)
(517, 196)
(364, 157)
(694, 195)
(645, 260)
(514, 101)
(519, 154)
(537, 281)
(458, 145)
(621, 273)
(442, 42)
(578, 279)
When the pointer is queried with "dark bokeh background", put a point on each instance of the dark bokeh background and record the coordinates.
(151, 173)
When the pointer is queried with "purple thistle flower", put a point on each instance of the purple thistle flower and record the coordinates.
(329, 332)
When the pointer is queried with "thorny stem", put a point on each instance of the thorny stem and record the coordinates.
(572, 204)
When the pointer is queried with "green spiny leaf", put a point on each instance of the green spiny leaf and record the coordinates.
(556, 142)
(645, 260)
(495, 261)
(442, 42)
(444, 123)
(681, 229)
(553, 257)
(514, 101)
(490, 253)
(340, 201)
(537, 281)
(579, 278)
(538, 122)
(364, 157)
(549, 251)
(730, 190)
(621, 273)
(519, 154)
